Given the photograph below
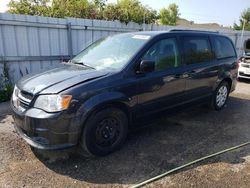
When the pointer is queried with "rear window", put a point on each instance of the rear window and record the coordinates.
(197, 50)
(224, 48)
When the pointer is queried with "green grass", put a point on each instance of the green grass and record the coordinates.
(6, 92)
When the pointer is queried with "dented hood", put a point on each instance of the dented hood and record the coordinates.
(58, 79)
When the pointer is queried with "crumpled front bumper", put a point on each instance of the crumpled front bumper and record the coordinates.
(44, 130)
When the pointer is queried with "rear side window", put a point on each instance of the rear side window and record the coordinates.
(223, 47)
(197, 50)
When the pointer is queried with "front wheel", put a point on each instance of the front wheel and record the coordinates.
(220, 96)
(104, 132)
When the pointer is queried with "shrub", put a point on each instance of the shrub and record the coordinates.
(6, 87)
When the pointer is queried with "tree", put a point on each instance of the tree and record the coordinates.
(31, 7)
(245, 15)
(74, 8)
(169, 15)
(130, 10)
(100, 3)
(124, 10)
(58, 8)
(111, 12)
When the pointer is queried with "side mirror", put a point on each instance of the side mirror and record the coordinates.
(146, 66)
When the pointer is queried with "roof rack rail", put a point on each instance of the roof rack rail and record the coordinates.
(192, 30)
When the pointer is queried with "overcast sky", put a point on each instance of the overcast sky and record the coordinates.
(224, 12)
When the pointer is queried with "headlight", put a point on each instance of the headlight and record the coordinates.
(16, 91)
(15, 94)
(53, 103)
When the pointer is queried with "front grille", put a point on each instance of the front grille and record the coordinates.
(27, 95)
(24, 104)
(21, 99)
(25, 99)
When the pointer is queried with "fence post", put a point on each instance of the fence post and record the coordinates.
(70, 50)
(236, 39)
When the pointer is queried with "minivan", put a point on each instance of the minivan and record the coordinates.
(95, 98)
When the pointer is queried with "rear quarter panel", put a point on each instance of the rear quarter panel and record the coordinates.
(228, 67)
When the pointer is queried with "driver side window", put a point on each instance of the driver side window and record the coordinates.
(164, 53)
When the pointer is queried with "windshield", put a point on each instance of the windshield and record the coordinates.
(112, 52)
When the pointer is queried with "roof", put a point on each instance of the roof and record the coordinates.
(155, 33)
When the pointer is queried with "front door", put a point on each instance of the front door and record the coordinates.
(164, 87)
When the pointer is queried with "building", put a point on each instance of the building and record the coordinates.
(190, 24)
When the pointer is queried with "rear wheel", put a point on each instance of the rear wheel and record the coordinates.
(104, 132)
(220, 96)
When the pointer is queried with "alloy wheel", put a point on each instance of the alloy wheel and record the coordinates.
(221, 96)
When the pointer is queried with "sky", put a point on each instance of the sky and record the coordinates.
(223, 12)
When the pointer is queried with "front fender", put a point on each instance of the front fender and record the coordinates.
(99, 100)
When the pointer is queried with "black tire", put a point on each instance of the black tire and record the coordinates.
(104, 132)
(220, 105)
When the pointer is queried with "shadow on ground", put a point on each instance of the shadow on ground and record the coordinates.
(4, 110)
(167, 143)
(3, 117)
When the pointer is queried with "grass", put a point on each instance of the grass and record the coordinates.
(6, 87)
(5, 93)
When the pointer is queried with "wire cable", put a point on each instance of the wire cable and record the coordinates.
(188, 164)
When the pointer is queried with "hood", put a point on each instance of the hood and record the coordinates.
(58, 79)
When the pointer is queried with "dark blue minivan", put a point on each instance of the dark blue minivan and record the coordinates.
(92, 100)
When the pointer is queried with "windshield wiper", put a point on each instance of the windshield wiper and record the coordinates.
(80, 63)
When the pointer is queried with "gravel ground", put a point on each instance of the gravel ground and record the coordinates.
(168, 143)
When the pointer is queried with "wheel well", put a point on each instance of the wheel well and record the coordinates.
(118, 105)
(229, 81)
